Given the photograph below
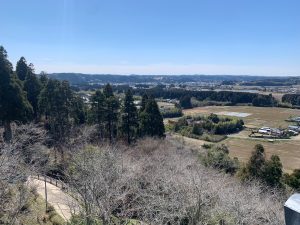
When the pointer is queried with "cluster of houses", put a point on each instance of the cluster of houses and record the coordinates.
(295, 119)
(295, 130)
(291, 131)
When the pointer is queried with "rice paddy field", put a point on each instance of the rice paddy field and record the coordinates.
(241, 145)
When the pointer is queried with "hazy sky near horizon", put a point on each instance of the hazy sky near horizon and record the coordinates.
(255, 37)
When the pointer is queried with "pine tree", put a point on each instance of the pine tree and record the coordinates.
(257, 161)
(151, 121)
(185, 102)
(13, 102)
(22, 68)
(43, 78)
(272, 171)
(111, 116)
(129, 122)
(108, 91)
(55, 100)
(33, 87)
(98, 110)
(78, 110)
(144, 102)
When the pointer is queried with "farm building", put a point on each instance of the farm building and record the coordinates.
(270, 131)
(295, 119)
(264, 130)
(294, 128)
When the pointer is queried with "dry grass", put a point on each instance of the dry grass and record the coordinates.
(288, 151)
(260, 116)
(166, 105)
(241, 145)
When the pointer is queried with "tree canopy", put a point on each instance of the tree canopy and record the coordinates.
(13, 100)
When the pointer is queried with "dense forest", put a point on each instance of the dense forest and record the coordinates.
(219, 96)
(274, 81)
(293, 99)
(54, 104)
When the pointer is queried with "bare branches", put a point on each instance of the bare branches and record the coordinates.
(160, 183)
(18, 159)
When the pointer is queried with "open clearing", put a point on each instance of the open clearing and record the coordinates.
(288, 151)
(166, 105)
(257, 116)
(241, 145)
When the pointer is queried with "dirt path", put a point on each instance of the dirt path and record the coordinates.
(64, 204)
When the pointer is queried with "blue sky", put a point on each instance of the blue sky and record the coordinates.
(258, 37)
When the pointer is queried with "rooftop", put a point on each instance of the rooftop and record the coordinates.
(293, 202)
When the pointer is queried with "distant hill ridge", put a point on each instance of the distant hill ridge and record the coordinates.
(79, 78)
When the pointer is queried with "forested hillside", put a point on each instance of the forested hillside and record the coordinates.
(118, 163)
(77, 78)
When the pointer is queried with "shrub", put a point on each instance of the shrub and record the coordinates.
(57, 220)
(293, 180)
(207, 146)
(268, 171)
(171, 113)
(218, 157)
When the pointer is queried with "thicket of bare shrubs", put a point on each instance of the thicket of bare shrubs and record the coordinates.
(18, 160)
(154, 181)
(162, 182)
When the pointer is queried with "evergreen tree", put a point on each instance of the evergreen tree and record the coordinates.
(108, 91)
(22, 68)
(151, 121)
(272, 172)
(33, 87)
(78, 110)
(257, 161)
(13, 102)
(144, 102)
(98, 110)
(129, 122)
(268, 171)
(185, 102)
(55, 100)
(293, 180)
(43, 78)
(111, 112)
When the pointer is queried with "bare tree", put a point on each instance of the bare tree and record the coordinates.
(18, 160)
(95, 175)
(162, 182)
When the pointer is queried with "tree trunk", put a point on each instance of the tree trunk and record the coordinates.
(128, 131)
(7, 135)
(110, 131)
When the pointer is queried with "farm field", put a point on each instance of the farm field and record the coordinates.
(257, 116)
(166, 105)
(241, 145)
(287, 150)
